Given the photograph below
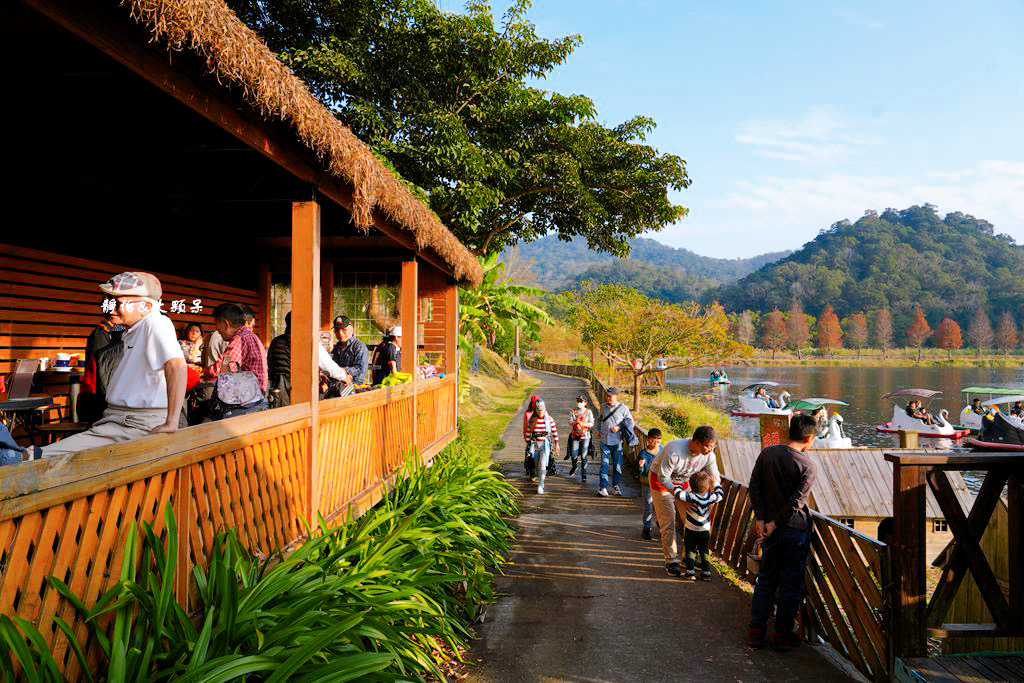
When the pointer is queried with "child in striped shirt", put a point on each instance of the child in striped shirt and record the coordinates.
(699, 500)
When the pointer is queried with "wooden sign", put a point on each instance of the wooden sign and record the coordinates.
(774, 430)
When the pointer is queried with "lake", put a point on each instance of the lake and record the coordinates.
(860, 387)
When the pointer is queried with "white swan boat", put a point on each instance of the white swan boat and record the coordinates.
(752, 405)
(831, 433)
(941, 429)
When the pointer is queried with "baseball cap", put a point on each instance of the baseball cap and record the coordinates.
(395, 331)
(342, 321)
(133, 283)
(612, 391)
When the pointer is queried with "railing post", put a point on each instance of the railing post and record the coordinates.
(305, 333)
(909, 588)
(451, 345)
(182, 494)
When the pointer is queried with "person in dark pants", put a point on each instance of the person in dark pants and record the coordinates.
(780, 485)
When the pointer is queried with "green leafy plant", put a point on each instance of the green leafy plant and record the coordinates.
(497, 306)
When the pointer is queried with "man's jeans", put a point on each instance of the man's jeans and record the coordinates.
(782, 568)
(645, 492)
(580, 449)
(607, 454)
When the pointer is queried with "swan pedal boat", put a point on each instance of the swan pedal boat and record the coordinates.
(719, 377)
(999, 432)
(996, 396)
(752, 406)
(942, 429)
(834, 435)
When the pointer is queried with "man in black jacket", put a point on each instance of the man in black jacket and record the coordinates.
(780, 486)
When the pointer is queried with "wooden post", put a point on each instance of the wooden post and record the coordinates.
(306, 336)
(184, 519)
(263, 321)
(908, 439)
(451, 343)
(909, 590)
(326, 296)
(410, 302)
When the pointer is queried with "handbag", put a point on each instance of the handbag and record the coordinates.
(238, 389)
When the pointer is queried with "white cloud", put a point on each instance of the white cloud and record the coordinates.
(820, 135)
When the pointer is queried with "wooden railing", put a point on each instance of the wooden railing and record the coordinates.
(70, 519)
(845, 579)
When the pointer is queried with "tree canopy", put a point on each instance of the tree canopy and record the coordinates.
(443, 98)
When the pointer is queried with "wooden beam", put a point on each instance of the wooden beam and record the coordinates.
(1015, 559)
(118, 41)
(326, 294)
(306, 335)
(410, 305)
(263, 322)
(908, 630)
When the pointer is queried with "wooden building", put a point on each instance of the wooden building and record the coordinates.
(162, 135)
(854, 486)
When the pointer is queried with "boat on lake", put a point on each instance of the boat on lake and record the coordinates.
(999, 432)
(995, 396)
(831, 433)
(719, 377)
(901, 421)
(754, 401)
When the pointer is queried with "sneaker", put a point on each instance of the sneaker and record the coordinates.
(533, 479)
(674, 569)
(705, 576)
(646, 534)
(540, 489)
(691, 575)
(603, 492)
(584, 477)
(755, 638)
(784, 642)
(616, 490)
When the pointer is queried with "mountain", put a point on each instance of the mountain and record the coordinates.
(951, 266)
(652, 267)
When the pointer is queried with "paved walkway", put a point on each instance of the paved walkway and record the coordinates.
(586, 599)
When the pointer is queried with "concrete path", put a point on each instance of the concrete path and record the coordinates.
(586, 599)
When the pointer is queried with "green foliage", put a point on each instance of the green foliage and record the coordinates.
(444, 98)
(497, 307)
(951, 266)
(683, 275)
(372, 600)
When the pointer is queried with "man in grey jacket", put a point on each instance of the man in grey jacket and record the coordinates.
(614, 425)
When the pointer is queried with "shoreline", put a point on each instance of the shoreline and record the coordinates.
(876, 362)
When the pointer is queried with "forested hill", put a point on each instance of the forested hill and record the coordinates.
(951, 266)
(652, 267)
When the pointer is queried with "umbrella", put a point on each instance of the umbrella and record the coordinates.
(813, 403)
(915, 393)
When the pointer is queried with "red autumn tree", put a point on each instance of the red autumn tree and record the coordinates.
(797, 330)
(979, 331)
(773, 331)
(857, 332)
(948, 336)
(883, 330)
(830, 336)
(1006, 332)
(919, 330)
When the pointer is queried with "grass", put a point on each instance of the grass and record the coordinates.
(677, 416)
(490, 399)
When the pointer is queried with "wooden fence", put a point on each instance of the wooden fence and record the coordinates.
(252, 473)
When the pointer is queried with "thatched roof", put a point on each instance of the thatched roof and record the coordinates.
(236, 55)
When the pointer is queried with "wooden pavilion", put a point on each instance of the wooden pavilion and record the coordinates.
(162, 135)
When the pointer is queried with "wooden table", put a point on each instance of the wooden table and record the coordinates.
(14, 411)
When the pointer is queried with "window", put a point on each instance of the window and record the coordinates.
(847, 521)
(939, 525)
(364, 297)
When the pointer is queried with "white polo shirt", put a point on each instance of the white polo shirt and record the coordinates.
(138, 381)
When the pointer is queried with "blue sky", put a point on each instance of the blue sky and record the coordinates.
(793, 115)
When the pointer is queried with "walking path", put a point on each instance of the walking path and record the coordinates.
(586, 599)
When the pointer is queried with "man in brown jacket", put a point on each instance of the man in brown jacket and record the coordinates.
(780, 485)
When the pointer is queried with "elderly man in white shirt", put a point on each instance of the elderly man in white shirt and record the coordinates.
(147, 389)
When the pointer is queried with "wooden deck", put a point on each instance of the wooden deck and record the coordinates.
(953, 668)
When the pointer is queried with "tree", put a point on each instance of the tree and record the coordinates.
(857, 332)
(919, 330)
(883, 330)
(773, 331)
(745, 332)
(498, 306)
(1006, 332)
(798, 333)
(635, 331)
(979, 331)
(829, 332)
(444, 99)
(948, 336)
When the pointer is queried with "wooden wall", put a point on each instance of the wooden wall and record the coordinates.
(432, 287)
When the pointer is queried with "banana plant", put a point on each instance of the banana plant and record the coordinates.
(497, 306)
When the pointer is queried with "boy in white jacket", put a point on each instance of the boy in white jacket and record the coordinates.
(670, 479)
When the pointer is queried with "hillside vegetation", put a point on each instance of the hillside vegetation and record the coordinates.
(950, 266)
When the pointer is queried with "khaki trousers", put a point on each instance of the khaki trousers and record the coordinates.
(116, 425)
(665, 507)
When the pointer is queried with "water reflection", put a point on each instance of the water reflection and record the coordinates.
(862, 388)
